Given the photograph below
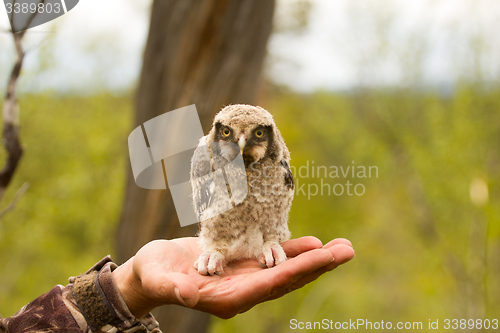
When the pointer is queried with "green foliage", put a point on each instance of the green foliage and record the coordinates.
(424, 250)
(75, 159)
(417, 235)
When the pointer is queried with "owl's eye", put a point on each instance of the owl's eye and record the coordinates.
(226, 132)
(259, 133)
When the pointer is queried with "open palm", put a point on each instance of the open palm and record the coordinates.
(162, 272)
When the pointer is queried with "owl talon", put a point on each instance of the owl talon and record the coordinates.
(210, 263)
(262, 261)
(273, 255)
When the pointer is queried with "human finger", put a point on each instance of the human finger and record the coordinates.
(294, 247)
(338, 241)
(283, 275)
(342, 254)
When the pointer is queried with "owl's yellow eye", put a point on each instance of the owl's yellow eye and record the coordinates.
(226, 132)
(259, 133)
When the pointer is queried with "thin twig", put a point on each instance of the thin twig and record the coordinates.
(16, 198)
(11, 112)
(11, 119)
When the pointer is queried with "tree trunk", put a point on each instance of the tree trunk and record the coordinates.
(209, 53)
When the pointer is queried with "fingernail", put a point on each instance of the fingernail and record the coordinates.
(178, 295)
(350, 258)
(333, 259)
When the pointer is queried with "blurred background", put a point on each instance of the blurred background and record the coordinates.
(408, 89)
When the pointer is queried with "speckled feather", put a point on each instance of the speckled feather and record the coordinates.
(255, 227)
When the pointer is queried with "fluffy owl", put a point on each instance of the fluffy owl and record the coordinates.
(256, 220)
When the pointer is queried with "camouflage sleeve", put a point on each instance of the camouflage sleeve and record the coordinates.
(90, 303)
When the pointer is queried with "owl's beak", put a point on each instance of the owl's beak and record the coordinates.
(242, 142)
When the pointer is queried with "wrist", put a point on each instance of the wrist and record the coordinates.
(99, 298)
(130, 287)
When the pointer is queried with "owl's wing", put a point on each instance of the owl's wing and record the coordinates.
(289, 182)
(201, 186)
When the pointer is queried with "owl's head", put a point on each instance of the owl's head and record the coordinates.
(253, 129)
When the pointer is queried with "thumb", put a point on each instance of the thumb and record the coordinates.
(173, 288)
(185, 290)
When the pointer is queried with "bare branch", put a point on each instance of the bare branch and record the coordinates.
(11, 119)
(11, 112)
(14, 201)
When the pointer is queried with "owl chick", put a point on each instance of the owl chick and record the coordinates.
(254, 226)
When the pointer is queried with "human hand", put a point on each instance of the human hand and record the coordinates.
(162, 272)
